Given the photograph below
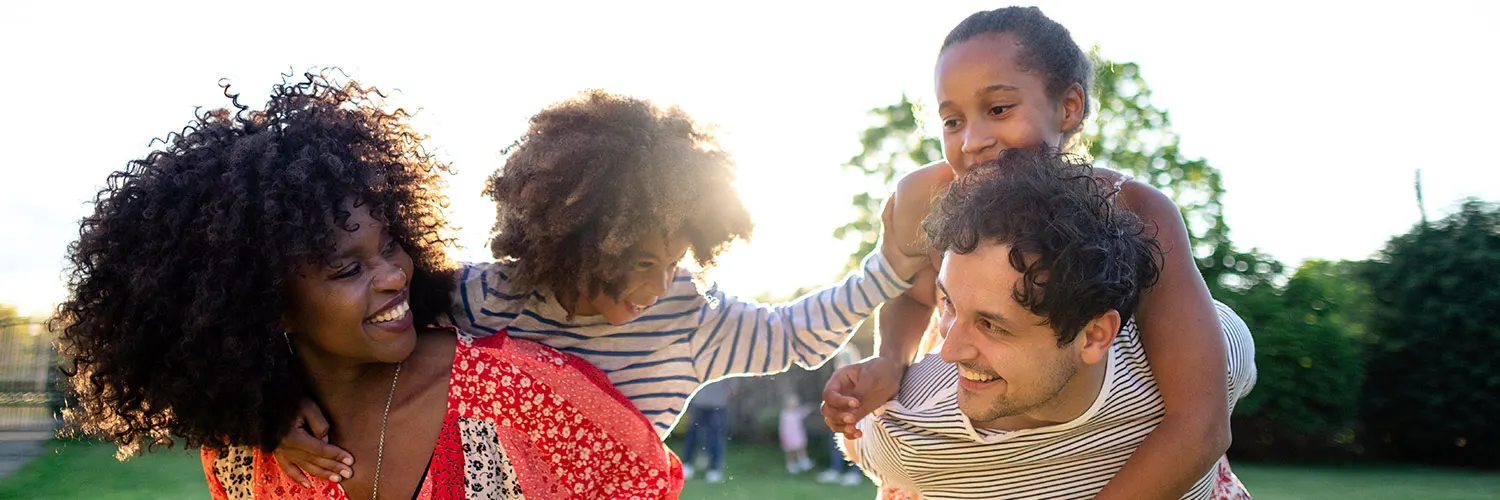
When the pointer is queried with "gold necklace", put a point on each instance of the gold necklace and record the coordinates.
(380, 452)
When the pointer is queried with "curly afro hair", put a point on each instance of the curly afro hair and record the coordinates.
(179, 278)
(600, 173)
(1079, 255)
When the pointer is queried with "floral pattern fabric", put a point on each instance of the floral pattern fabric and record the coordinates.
(524, 421)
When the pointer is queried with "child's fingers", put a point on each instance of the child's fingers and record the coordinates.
(326, 469)
(313, 416)
(291, 470)
(304, 444)
(839, 388)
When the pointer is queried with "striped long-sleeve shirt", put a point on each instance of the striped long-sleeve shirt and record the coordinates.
(688, 338)
(922, 443)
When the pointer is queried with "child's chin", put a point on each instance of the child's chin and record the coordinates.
(620, 318)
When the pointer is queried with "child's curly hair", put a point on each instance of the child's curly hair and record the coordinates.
(597, 174)
(179, 278)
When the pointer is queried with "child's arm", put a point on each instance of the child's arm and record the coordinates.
(738, 336)
(857, 390)
(1187, 353)
(301, 451)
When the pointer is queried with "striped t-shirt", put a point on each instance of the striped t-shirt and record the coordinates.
(921, 442)
(687, 338)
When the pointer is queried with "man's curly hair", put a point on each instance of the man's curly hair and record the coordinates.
(1079, 255)
(180, 277)
(599, 173)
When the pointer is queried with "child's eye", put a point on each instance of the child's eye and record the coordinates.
(999, 110)
(644, 265)
(950, 125)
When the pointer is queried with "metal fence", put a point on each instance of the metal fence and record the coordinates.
(27, 375)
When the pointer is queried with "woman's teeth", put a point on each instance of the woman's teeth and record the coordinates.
(393, 313)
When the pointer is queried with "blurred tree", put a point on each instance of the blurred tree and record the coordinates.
(893, 146)
(1433, 391)
(7, 314)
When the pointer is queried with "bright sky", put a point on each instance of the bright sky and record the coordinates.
(1316, 113)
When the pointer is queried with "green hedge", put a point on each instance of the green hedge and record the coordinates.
(1309, 356)
(1433, 393)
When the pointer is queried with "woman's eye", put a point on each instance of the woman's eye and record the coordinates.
(390, 247)
(999, 110)
(644, 265)
(348, 271)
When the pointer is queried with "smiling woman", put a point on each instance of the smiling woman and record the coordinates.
(261, 257)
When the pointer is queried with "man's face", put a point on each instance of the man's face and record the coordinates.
(1009, 362)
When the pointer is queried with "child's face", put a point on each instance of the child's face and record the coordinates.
(653, 265)
(989, 103)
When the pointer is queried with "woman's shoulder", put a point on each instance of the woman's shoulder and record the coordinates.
(483, 359)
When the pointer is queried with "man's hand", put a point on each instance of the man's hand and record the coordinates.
(857, 390)
(305, 448)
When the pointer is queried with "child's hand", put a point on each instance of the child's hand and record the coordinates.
(301, 451)
(858, 389)
(898, 250)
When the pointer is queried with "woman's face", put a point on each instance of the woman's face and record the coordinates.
(356, 308)
(988, 102)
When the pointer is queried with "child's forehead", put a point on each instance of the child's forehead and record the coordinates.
(670, 247)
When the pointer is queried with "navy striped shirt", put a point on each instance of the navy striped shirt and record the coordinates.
(688, 338)
(921, 442)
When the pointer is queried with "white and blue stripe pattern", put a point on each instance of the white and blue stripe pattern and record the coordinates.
(922, 442)
(689, 337)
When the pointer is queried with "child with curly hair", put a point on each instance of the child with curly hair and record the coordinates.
(597, 203)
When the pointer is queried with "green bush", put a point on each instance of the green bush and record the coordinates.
(1308, 354)
(1433, 393)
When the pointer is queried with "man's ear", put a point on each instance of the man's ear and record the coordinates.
(1097, 336)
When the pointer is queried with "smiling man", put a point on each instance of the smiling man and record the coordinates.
(1042, 389)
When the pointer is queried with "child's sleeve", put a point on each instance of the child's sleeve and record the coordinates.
(484, 302)
(737, 336)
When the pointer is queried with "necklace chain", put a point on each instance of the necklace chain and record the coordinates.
(380, 452)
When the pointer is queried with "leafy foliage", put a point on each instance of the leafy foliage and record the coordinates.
(1310, 359)
(1433, 391)
(893, 146)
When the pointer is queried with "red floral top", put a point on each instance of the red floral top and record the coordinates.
(523, 421)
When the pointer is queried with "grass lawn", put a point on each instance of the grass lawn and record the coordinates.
(76, 470)
(87, 469)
